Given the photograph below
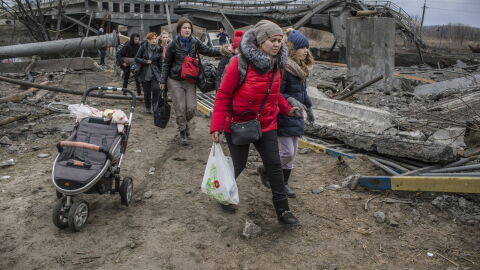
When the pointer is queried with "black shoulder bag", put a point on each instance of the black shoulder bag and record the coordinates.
(161, 112)
(250, 131)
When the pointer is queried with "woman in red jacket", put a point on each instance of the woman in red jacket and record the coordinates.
(265, 57)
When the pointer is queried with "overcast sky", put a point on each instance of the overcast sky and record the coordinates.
(444, 11)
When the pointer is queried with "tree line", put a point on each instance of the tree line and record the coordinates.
(456, 33)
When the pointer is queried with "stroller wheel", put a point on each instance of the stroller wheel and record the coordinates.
(78, 215)
(59, 216)
(126, 191)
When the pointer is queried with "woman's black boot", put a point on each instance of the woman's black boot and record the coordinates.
(288, 190)
(284, 214)
(183, 137)
(263, 176)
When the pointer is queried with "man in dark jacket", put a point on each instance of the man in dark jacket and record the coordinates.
(126, 58)
(222, 37)
(103, 50)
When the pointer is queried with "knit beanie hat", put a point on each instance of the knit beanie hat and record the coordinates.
(298, 39)
(266, 29)
(237, 36)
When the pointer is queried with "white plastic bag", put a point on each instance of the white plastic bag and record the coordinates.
(81, 111)
(219, 177)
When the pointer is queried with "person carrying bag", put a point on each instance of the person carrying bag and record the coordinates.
(255, 88)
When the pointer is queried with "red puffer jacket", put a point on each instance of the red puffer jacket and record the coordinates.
(248, 97)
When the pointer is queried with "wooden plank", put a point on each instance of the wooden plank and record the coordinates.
(415, 78)
(436, 184)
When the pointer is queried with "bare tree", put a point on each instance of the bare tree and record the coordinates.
(31, 14)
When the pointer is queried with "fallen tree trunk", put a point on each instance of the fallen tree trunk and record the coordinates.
(63, 90)
(12, 119)
(20, 96)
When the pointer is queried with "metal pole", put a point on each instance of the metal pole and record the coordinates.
(383, 167)
(169, 21)
(89, 22)
(59, 19)
(423, 13)
(59, 46)
(474, 174)
(457, 169)
(360, 88)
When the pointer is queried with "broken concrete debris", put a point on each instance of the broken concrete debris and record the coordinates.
(449, 86)
(251, 230)
(5, 141)
(7, 163)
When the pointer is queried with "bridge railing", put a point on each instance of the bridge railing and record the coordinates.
(400, 13)
(249, 4)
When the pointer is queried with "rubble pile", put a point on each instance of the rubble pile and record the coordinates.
(434, 122)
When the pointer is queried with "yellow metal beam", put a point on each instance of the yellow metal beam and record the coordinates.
(436, 184)
(315, 147)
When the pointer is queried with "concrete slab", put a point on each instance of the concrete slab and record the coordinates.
(380, 120)
(455, 85)
(51, 65)
(362, 135)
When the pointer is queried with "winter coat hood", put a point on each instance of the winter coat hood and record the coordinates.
(259, 60)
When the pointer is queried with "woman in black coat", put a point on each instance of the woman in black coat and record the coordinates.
(183, 92)
(149, 56)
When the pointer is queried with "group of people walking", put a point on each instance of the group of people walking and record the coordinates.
(262, 76)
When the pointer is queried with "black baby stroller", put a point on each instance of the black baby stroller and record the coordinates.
(89, 161)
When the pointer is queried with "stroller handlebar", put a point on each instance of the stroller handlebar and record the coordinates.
(89, 146)
(101, 89)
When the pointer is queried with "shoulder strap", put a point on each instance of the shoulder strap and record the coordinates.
(242, 70)
(267, 94)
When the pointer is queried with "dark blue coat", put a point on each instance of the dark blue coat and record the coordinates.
(292, 86)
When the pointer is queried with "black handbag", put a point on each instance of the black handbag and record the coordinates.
(249, 131)
(161, 112)
(207, 76)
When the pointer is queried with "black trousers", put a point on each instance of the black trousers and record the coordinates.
(151, 93)
(267, 147)
(126, 77)
(103, 53)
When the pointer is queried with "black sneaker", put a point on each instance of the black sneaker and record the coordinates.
(286, 217)
(263, 176)
(230, 208)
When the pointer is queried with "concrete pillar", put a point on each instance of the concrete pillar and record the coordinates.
(371, 49)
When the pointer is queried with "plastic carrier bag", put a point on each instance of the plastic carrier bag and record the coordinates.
(81, 111)
(219, 177)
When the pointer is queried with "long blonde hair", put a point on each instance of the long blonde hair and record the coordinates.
(306, 64)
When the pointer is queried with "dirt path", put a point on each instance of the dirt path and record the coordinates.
(180, 228)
